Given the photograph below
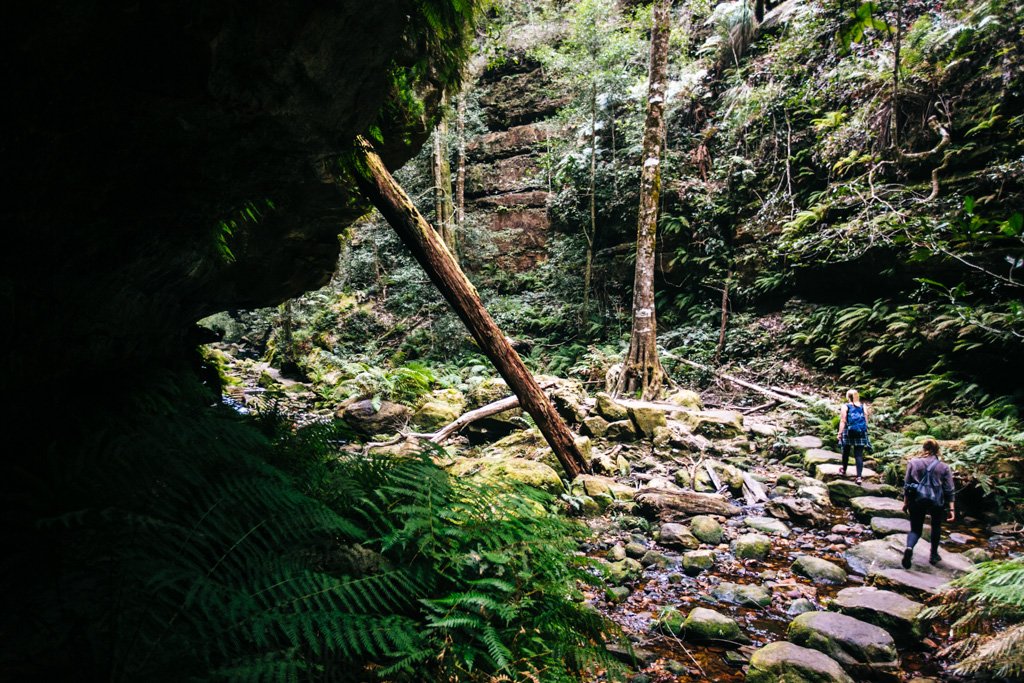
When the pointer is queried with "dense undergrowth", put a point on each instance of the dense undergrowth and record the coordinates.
(186, 543)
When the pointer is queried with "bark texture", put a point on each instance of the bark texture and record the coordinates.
(642, 373)
(426, 246)
(443, 210)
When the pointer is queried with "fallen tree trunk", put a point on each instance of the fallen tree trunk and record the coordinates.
(468, 418)
(770, 392)
(426, 246)
(662, 503)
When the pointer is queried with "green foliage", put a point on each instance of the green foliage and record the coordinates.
(987, 611)
(404, 384)
(174, 546)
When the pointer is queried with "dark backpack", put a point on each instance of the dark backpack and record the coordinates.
(856, 421)
(929, 489)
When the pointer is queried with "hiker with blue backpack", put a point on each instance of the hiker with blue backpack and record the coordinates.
(853, 432)
(928, 490)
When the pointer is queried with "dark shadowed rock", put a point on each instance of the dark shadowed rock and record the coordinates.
(364, 417)
(802, 511)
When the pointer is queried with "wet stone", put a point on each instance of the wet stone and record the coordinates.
(616, 594)
(697, 561)
(706, 529)
(978, 555)
(819, 570)
(785, 662)
(748, 595)
(805, 442)
(751, 547)
(635, 550)
(830, 471)
(652, 558)
(768, 525)
(888, 610)
(857, 645)
(706, 624)
(677, 536)
(617, 553)
(799, 606)
(867, 507)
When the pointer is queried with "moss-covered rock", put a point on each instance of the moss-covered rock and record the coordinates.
(595, 426)
(685, 398)
(677, 536)
(768, 525)
(647, 420)
(751, 547)
(703, 624)
(696, 561)
(818, 570)
(610, 409)
(623, 430)
(857, 645)
(706, 529)
(531, 472)
(784, 662)
(746, 594)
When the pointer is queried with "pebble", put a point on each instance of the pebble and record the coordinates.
(961, 538)
(841, 529)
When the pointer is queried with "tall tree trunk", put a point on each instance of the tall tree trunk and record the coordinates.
(460, 173)
(592, 235)
(897, 44)
(442, 172)
(642, 372)
(426, 246)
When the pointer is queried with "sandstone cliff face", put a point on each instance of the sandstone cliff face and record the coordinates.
(506, 188)
(169, 160)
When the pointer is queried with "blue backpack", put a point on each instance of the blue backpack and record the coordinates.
(856, 421)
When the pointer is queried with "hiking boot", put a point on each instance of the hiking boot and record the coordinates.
(934, 559)
(859, 481)
(908, 554)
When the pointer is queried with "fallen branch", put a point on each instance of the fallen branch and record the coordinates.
(493, 408)
(772, 392)
(763, 406)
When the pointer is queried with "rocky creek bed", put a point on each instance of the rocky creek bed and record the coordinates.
(731, 548)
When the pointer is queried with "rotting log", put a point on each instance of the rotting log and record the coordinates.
(664, 503)
(376, 182)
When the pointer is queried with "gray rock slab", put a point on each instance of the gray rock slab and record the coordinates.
(911, 582)
(819, 570)
(858, 646)
(818, 456)
(828, 471)
(750, 595)
(895, 613)
(867, 507)
(785, 662)
(887, 553)
(804, 442)
(768, 525)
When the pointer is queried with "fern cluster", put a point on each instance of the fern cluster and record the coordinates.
(175, 541)
(987, 607)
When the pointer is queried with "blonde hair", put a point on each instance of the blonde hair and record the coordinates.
(852, 395)
(930, 447)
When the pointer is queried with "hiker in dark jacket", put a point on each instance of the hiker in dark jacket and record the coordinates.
(928, 490)
(853, 431)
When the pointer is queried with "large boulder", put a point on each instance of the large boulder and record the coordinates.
(887, 553)
(866, 507)
(621, 430)
(647, 420)
(704, 624)
(751, 547)
(745, 594)
(716, 424)
(768, 525)
(840, 491)
(499, 470)
(367, 418)
(784, 662)
(596, 486)
(685, 398)
(707, 529)
(888, 610)
(802, 511)
(803, 443)
(610, 409)
(566, 395)
(441, 408)
(817, 456)
(676, 535)
(819, 570)
(858, 646)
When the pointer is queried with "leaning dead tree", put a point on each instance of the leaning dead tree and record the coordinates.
(642, 373)
(377, 184)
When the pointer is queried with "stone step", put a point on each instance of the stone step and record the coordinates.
(887, 553)
(884, 526)
(805, 442)
(785, 661)
(888, 610)
(840, 491)
(828, 471)
(863, 649)
(915, 583)
(866, 507)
